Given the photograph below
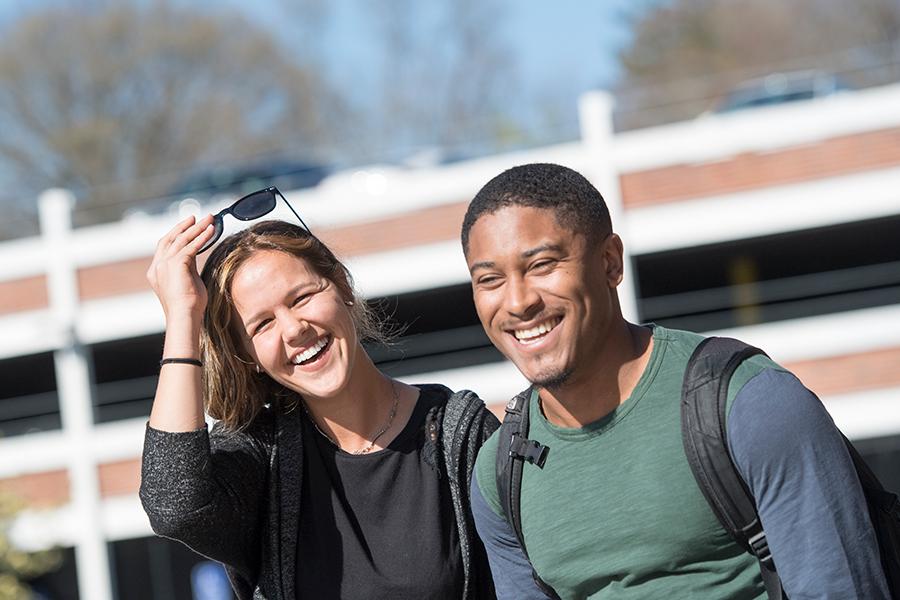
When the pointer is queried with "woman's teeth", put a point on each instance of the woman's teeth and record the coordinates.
(310, 352)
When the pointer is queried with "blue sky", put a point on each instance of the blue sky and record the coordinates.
(570, 44)
(559, 48)
(556, 50)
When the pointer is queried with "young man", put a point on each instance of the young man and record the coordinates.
(615, 511)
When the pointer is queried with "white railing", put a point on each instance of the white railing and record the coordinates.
(73, 382)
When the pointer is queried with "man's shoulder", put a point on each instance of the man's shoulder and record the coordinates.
(680, 337)
(486, 472)
(749, 370)
(486, 463)
(680, 344)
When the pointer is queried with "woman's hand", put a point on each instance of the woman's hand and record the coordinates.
(178, 405)
(173, 272)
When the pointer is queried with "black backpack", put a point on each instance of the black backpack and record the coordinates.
(703, 397)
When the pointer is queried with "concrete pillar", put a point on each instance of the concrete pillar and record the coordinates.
(73, 380)
(595, 115)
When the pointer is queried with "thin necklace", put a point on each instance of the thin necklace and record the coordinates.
(368, 447)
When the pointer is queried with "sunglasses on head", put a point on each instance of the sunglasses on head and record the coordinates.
(247, 208)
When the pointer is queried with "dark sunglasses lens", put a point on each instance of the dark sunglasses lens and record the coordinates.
(254, 206)
(217, 233)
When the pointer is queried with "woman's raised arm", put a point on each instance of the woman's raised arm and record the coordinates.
(178, 405)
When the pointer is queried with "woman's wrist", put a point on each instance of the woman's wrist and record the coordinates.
(184, 317)
(182, 338)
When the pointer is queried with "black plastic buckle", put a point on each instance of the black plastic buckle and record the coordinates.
(515, 405)
(760, 547)
(528, 450)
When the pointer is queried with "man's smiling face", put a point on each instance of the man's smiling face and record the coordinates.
(544, 294)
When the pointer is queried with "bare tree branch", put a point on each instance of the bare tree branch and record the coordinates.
(685, 53)
(444, 73)
(122, 98)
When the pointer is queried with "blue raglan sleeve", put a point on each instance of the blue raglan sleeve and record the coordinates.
(794, 460)
(509, 567)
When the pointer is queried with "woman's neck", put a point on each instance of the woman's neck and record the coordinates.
(371, 404)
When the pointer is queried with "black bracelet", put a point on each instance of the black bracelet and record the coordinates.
(181, 361)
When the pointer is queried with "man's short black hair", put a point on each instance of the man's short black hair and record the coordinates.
(576, 203)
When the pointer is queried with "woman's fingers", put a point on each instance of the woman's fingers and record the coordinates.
(184, 235)
(173, 270)
(167, 239)
(194, 245)
(189, 235)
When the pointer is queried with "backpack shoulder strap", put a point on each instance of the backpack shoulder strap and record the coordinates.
(513, 450)
(509, 470)
(459, 412)
(460, 431)
(703, 416)
(884, 512)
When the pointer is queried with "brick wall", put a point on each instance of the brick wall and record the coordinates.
(836, 156)
(829, 158)
(18, 295)
(833, 375)
(39, 490)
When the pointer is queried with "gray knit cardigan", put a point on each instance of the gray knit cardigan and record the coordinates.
(235, 497)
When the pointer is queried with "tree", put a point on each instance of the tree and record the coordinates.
(117, 100)
(17, 566)
(445, 75)
(685, 53)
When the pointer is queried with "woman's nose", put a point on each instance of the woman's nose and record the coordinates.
(292, 327)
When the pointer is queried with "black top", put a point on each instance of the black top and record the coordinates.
(232, 495)
(377, 525)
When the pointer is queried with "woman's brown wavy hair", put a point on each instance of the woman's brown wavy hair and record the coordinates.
(233, 392)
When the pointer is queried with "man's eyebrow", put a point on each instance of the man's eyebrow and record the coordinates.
(542, 248)
(485, 264)
(489, 264)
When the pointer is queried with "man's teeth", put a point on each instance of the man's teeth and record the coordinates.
(311, 351)
(527, 334)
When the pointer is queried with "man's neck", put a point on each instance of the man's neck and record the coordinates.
(592, 395)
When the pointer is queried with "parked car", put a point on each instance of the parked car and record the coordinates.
(779, 88)
(243, 179)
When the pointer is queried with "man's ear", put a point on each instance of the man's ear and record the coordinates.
(613, 253)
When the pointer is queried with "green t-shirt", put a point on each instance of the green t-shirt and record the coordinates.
(615, 512)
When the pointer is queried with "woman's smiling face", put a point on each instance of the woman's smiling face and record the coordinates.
(294, 323)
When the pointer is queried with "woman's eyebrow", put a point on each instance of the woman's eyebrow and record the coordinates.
(291, 292)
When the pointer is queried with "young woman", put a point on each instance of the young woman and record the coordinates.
(323, 477)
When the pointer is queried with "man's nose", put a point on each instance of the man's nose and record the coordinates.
(522, 300)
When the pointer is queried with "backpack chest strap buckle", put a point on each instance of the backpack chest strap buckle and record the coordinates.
(528, 450)
(760, 547)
